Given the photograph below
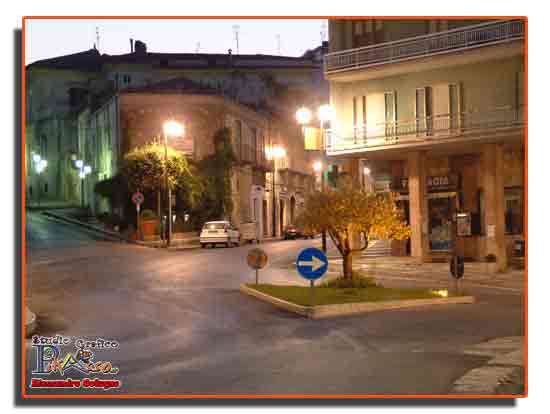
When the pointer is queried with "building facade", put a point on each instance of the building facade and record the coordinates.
(435, 110)
(98, 107)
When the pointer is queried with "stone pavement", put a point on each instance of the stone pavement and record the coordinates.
(502, 374)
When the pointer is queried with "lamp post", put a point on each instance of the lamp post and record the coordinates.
(277, 153)
(40, 165)
(83, 171)
(324, 113)
(171, 129)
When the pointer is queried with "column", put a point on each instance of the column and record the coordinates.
(493, 193)
(418, 205)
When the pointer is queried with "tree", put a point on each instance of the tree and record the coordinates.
(352, 217)
(143, 168)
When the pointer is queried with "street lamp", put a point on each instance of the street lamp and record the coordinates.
(170, 128)
(325, 113)
(276, 153)
(40, 165)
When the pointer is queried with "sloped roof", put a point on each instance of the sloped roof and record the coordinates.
(89, 60)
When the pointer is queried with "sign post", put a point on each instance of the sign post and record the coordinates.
(256, 259)
(137, 199)
(311, 264)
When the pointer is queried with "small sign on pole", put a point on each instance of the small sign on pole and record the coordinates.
(256, 259)
(137, 199)
(312, 264)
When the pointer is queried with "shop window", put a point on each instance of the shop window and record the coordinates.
(513, 210)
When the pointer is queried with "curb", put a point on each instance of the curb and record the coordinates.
(346, 309)
(87, 226)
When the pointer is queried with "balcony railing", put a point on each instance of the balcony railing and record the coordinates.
(248, 154)
(426, 45)
(427, 129)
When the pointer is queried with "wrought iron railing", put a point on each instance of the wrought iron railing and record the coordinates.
(434, 128)
(426, 45)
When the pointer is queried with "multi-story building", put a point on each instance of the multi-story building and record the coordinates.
(435, 110)
(107, 105)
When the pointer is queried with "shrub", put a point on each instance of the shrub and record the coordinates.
(148, 215)
(356, 281)
(490, 258)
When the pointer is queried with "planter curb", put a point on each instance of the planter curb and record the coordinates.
(328, 311)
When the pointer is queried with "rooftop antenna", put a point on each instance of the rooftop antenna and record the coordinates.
(279, 44)
(198, 47)
(323, 31)
(236, 28)
(97, 37)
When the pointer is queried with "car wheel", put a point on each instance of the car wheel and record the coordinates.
(203, 245)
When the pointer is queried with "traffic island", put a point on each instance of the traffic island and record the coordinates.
(326, 302)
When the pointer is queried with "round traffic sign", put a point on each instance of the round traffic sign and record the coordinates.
(311, 263)
(137, 198)
(256, 259)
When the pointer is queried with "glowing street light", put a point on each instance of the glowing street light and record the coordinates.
(79, 164)
(303, 116)
(326, 113)
(317, 166)
(278, 152)
(173, 129)
(366, 170)
(170, 128)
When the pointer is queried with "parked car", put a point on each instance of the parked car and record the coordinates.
(219, 232)
(294, 232)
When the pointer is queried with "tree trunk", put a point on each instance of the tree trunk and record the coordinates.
(348, 265)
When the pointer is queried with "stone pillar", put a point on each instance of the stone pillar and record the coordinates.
(493, 194)
(418, 205)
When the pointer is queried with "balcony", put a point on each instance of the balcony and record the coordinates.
(256, 157)
(427, 130)
(450, 41)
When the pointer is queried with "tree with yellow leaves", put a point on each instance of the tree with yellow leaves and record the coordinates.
(353, 217)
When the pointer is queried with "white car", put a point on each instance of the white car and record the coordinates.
(219, 232)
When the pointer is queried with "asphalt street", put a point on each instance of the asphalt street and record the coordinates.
(184, 328)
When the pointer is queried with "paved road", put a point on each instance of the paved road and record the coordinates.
(185, 329)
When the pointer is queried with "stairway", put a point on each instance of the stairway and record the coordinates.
(378, 248)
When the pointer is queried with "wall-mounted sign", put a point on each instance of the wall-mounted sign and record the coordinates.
(434, 184)
(463, 224)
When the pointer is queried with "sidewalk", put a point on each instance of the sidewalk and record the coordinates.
(407, 268)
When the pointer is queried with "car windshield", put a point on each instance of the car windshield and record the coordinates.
(214, 226)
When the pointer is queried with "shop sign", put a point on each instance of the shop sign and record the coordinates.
(434, 184)
(442, 183)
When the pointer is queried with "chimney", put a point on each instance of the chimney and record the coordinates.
(131, 45)
(140, 47)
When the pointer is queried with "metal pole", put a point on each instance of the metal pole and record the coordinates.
(312, 293)
(256, 276)
(82, 192)
(167, 191)
(324, 233)
(274, 198)
(39, 188)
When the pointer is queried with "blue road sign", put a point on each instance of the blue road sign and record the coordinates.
(311, 263)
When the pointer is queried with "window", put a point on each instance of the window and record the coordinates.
(364, 102)
(354, 117)
(454, 106)
(424, 121)
(390, 113)
(238, 129)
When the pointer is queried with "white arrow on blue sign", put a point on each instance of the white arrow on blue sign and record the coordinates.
(311, 263)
